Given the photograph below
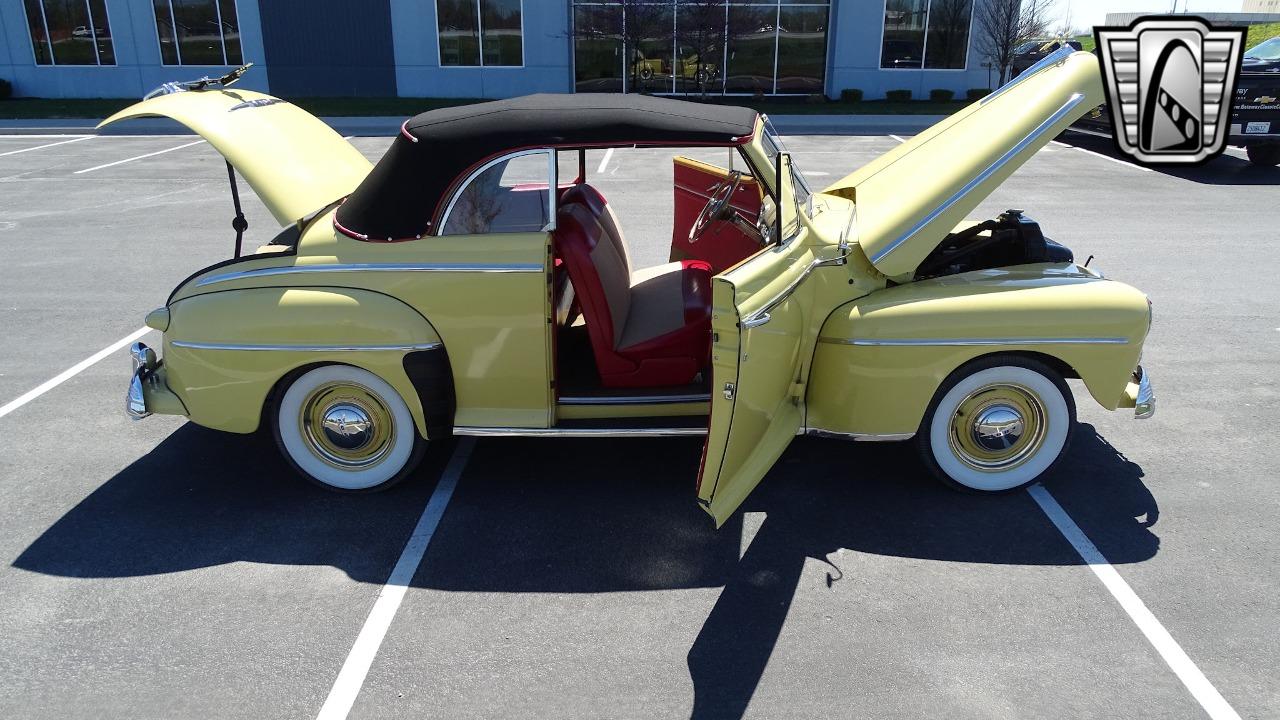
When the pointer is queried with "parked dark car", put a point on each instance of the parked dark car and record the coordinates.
(1033, 51)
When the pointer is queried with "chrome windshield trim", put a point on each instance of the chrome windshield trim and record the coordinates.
(373, 267)
(578, 432)
(636, 399)
(982, 177)
(303, 348)
(928, 342)
(1043, 64)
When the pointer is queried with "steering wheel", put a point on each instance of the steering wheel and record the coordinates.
(717, 208)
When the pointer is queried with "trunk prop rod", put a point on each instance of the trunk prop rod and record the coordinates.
(239, 224)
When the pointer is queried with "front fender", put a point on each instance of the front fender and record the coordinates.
(225, 351)
(881, 358)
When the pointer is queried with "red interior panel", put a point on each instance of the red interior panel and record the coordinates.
(722, 245)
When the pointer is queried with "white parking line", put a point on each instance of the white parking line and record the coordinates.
(41, 147)
(351, 678)
(1201, 689)
(604, 161)
(151, 154)
(71, 371)
(895, 137)
(1100, 155)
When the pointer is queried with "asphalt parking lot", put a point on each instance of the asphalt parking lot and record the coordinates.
(161, 570)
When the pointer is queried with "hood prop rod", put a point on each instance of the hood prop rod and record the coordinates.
(239, 224)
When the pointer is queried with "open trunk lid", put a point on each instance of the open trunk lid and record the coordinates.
(912, 197)
(291, 159)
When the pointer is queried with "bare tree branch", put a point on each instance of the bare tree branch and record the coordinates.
(1005, 24)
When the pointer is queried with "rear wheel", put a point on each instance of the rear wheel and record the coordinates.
(1268, 154)
(998, 424)
(346, 429)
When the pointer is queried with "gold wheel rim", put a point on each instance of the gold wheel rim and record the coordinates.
(346, 425)
(998, 427)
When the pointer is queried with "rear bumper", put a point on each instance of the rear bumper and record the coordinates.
(148, 392)
(1237, 136)
(1140, 395)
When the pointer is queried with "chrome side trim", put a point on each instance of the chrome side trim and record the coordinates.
(930, 342)
(1052, 58)
(1146, 405)
(577, 432)
(761, 315)
(636, 400)
(303, 348)
(858, 437)
(982, 177)
(372, 267)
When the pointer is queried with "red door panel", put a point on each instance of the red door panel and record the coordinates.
(722, 245)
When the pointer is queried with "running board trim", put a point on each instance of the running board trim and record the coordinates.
(578, 432)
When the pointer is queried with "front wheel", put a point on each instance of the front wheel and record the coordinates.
(346, 429)
(1268, 154)
(998, 424)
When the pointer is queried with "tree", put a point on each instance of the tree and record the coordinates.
(1005, 24)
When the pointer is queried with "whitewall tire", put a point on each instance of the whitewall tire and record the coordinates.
(997, 424)
(346, 429)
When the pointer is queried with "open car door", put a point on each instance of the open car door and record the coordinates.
(758, 321)
(723, 245)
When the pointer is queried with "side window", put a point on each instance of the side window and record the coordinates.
(510, 196)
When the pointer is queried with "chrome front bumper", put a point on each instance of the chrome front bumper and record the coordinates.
(1145, 406)
(144, 363)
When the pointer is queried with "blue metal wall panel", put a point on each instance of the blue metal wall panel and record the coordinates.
(329, 47)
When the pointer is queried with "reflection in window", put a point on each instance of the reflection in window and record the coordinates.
(477, 33)
(597, 49)
(802, 49)
(70, 32)
(948, 43)
(696, 47)
(508, 197)
(198, 32)
(926, 33)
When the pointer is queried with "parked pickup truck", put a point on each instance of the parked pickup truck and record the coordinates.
(1255, 114)
(1255, 110)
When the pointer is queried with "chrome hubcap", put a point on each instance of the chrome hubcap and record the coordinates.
(347, 426)
(998, 427)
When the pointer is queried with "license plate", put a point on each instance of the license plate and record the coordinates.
(1257, 128)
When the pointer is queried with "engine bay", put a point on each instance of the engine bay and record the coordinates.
(1010, 239)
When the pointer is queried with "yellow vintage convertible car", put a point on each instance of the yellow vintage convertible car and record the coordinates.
(474, 282)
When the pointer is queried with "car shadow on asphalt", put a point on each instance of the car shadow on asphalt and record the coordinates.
(589, 516)
(1226, 169)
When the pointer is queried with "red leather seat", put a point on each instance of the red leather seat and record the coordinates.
(649, 328)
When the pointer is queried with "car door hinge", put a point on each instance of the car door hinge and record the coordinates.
(797, 391)
(730, 390)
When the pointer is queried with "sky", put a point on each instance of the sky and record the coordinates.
(1085, 14)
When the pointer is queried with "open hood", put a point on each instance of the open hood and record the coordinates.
(912, 197)
(293, 161)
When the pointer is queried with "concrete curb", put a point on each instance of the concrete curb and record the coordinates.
(387, 126)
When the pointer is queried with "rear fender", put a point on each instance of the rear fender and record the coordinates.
(881, 358)
(225, 351)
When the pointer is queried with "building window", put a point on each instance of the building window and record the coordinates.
(713, 46)
(198, 32)
(926, 34)
(70, 32)
(480, 33)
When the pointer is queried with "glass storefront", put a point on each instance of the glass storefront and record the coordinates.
(703, 47)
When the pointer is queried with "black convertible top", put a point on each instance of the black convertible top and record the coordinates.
(403, 194)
